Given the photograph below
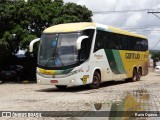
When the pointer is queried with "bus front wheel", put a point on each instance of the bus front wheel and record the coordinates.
(96, 80)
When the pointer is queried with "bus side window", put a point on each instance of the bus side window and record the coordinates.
(99, 41)
(85, 50)
(86, 44)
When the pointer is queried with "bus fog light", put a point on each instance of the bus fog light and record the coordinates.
(71, 81)
(39, 80)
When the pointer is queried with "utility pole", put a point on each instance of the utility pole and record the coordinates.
(155, 13)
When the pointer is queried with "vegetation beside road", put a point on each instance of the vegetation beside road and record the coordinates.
(155, 55)
(23, 21)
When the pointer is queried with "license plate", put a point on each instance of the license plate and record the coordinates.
(54, 81)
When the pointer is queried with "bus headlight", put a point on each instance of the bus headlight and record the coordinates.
(38, 72)
(74, 72)
(71, 81)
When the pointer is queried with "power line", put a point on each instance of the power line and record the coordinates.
(155, 44)
(155, 13)
(123, 11)
(148, 26)
(147, 30)
(142, 28)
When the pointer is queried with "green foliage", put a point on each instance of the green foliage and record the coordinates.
(77, 11)
(156, 55)
(23, 21)
(4, 54)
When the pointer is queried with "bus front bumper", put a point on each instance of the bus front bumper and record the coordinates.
(70, 80)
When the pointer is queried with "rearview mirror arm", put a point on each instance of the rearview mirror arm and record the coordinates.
(79, 41)
(32, 43)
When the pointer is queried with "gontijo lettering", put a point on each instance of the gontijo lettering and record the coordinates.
(132, 56)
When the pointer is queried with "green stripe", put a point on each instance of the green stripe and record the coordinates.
(118, 60)
(115, 61)
(67, 71)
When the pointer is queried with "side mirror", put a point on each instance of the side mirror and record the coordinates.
(32, 43)
(79, 41)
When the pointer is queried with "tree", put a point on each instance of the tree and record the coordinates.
(72, 12)
(4, 54)
(23, 21)
(156, 57)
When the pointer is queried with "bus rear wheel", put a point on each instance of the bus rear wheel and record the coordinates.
(136, 76)
(96, 80)
(61, 87)
(139, 74)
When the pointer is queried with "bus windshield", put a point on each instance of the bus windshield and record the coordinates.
(58, 50)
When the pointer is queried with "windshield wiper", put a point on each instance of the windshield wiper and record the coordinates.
(53, 57)
(57, 56)
(48, 60)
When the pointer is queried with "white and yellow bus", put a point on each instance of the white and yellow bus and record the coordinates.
(89, 53)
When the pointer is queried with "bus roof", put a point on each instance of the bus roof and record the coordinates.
(69, 27)
(120, 31)
(73, 27)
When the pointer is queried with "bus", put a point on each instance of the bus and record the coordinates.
(89, 53)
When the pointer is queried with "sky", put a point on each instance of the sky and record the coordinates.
(139, 21)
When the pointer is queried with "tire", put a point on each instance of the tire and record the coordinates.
(96, 80)
(139, 74)
(134, 78)
(61, 87)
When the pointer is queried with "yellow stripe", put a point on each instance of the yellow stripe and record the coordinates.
(70, 27)
(47, 72)
(124, 32)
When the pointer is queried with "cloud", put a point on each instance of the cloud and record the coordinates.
(154, 37)
(133, 20)
(142, 20)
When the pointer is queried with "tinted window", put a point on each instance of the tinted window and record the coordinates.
(86, 45)
(108, 40)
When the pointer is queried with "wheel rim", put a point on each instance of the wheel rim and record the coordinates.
(95, 81)
(134, 76)
(138, 76)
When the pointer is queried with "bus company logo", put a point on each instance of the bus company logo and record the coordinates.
(6, 114)
(84, 79)
(132, 56)
(98, 56)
